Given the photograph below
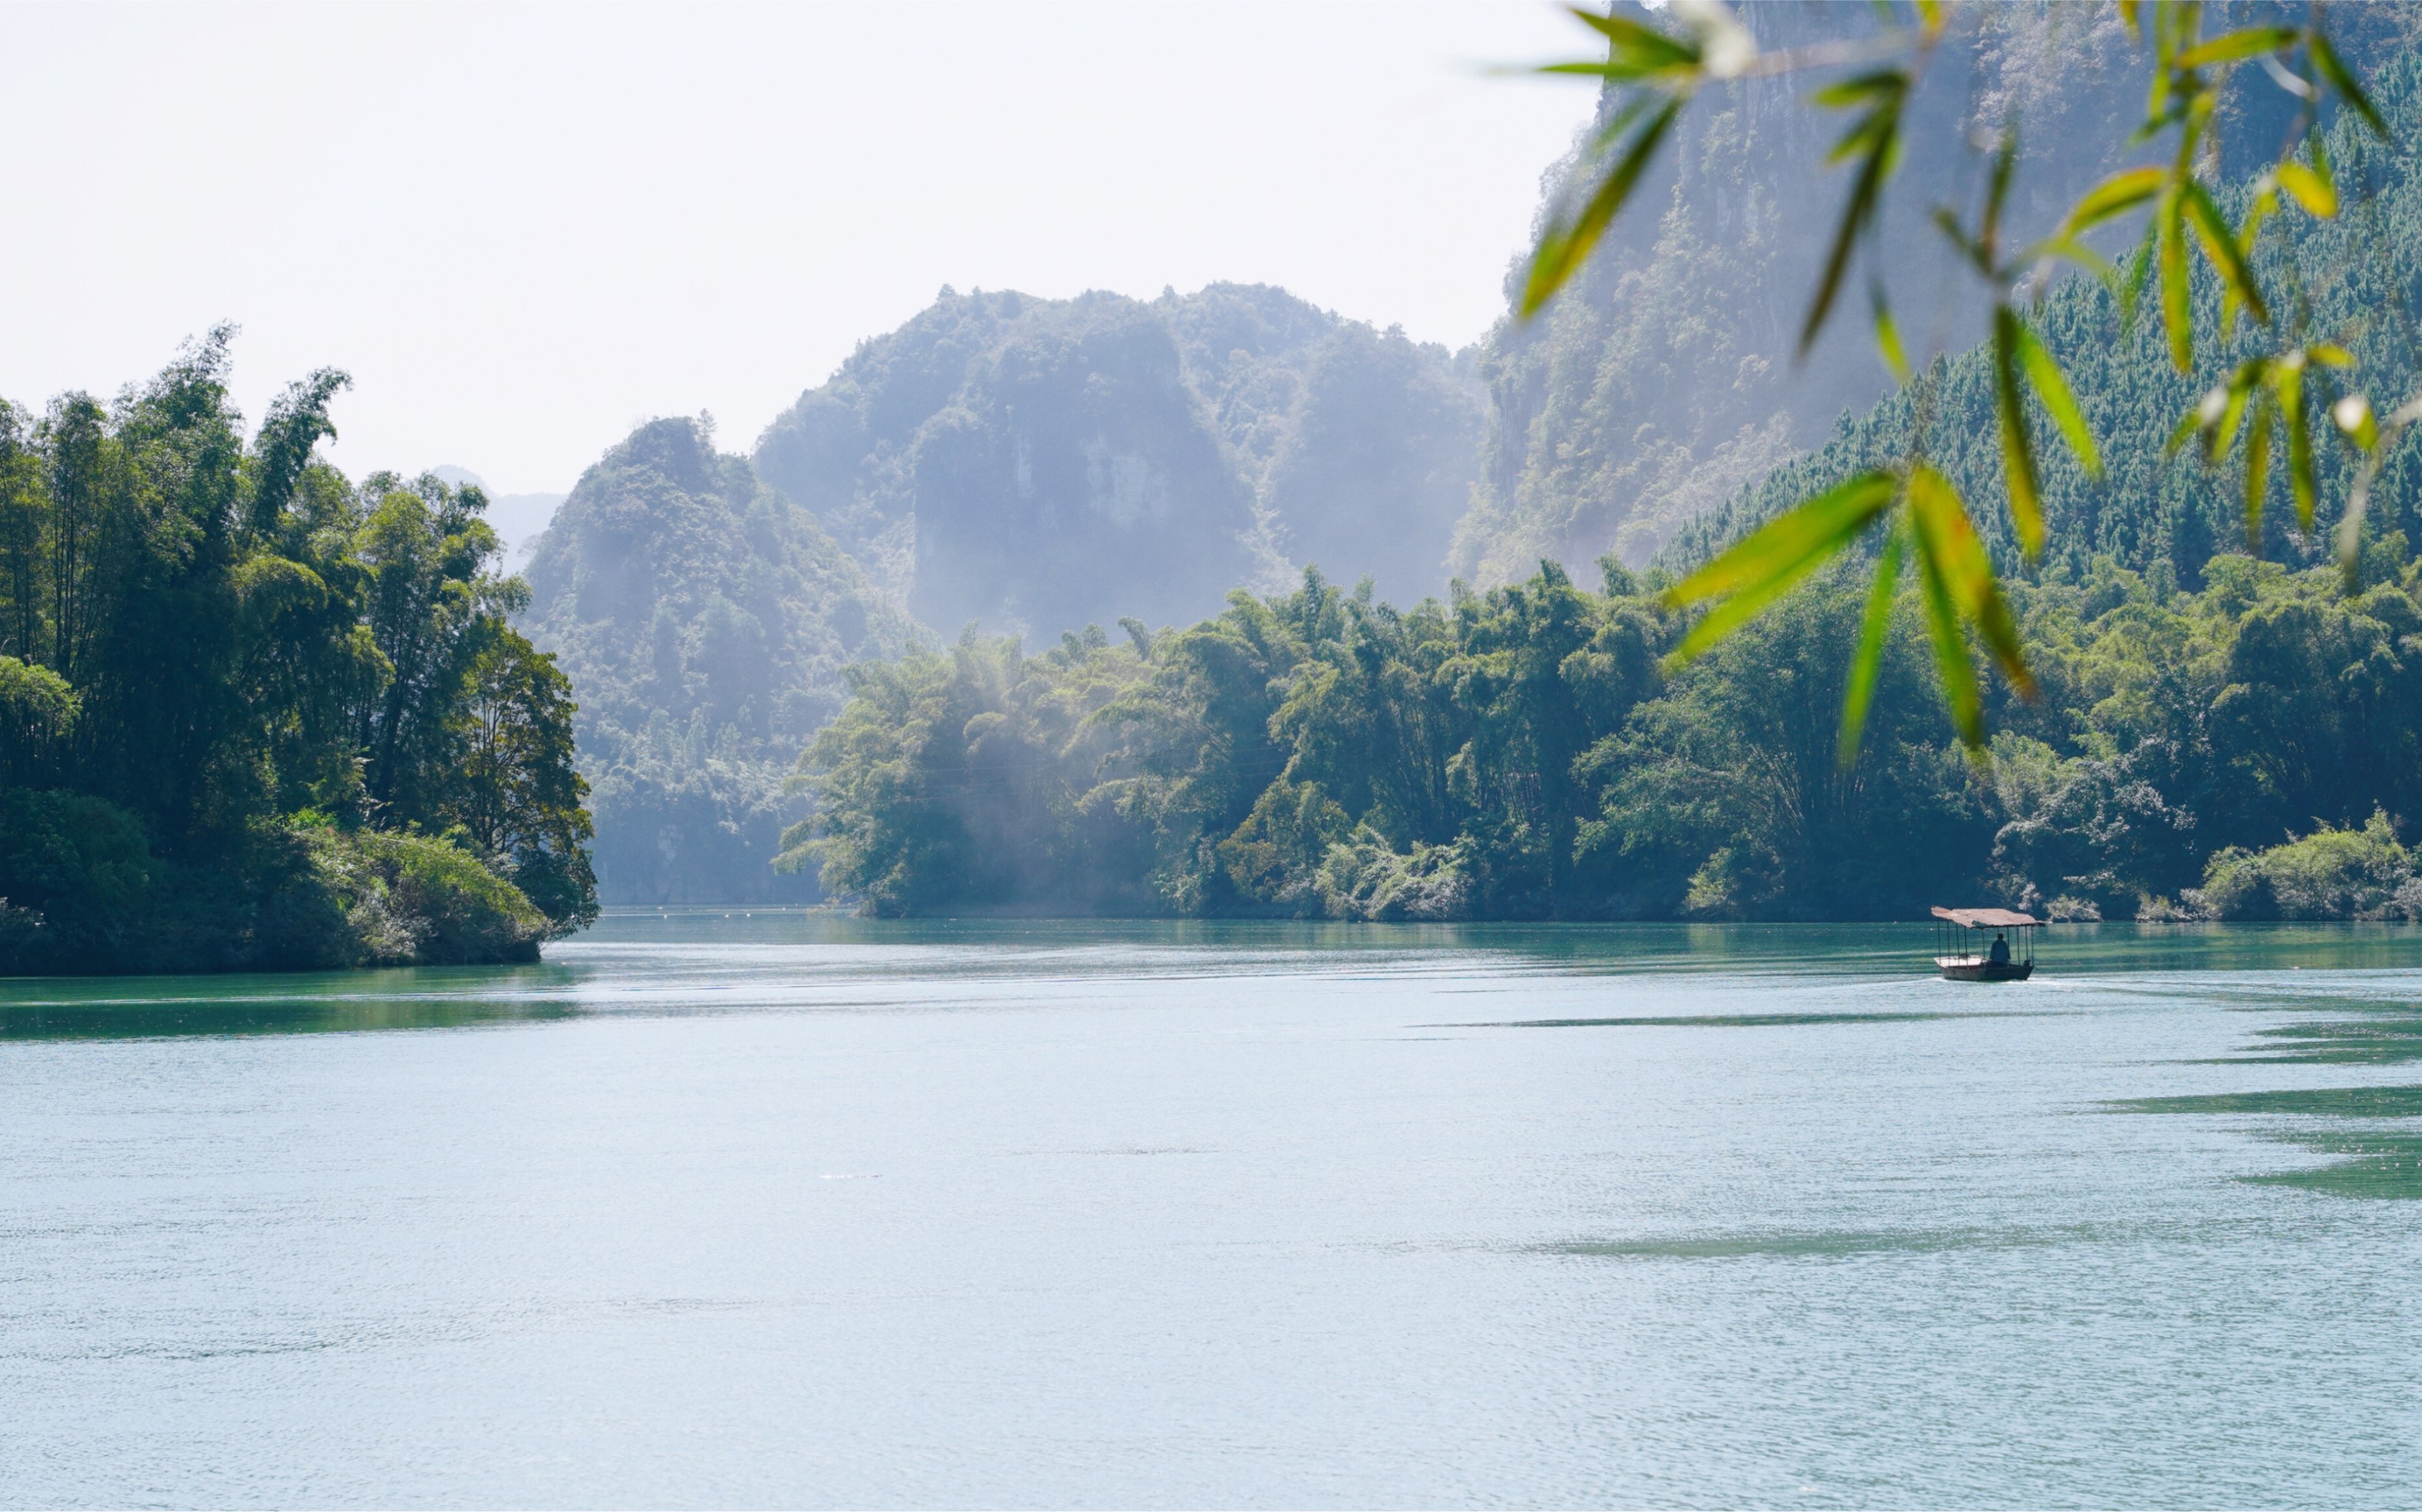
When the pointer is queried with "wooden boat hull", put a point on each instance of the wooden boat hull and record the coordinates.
(1956, 970)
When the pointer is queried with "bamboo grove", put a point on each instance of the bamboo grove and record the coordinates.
(253, 713)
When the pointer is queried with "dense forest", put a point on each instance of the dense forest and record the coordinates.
(1526, 753)
(255, 714)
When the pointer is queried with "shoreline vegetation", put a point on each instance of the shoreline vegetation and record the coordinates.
(1528, 753)
(256, 715)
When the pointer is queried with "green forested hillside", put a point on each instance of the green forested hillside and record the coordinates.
(2355, 281)
(1033, 463)
(253, 715)
(1664, 380)
(704, 619)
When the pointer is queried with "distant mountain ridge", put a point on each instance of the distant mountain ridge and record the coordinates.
(1038, 464)
(1027, 464)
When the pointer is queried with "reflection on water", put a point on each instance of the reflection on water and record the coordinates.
(1822, 1244)
(2330, 1102)
(302, 1003)
(2375, 1164)
(2391, 1034)
(1727, 1020)
(767, 1207)
(2338, 1121)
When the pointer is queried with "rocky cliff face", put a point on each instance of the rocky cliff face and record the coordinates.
(1038, 465)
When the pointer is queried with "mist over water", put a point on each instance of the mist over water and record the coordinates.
(770, 1208)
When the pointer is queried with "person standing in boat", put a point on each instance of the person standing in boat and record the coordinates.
(2000, 953)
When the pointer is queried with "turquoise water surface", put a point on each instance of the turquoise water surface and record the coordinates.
(785, 1209)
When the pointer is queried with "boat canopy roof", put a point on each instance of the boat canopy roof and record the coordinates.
(1989, 918)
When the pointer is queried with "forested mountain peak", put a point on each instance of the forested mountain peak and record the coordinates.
(1034, 463)
(704, 619)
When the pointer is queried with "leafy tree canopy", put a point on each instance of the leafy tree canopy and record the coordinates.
(223, 666)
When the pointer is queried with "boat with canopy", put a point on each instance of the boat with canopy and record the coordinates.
(1985, 944)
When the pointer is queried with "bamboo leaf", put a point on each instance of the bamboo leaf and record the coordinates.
(2081, 253)
(2114, 197)
(1619, 73)
(2265, 205)
(1759, 569)
(1629, 35)
(1947, 534)
(2178, 309)
(2220, 248)
(2287, 383)
(2130, 14)
(1951, 663)
(2220, 410)
(1862, 89)
(2359, 498)
(1563, 249)
(2325, 57)
(2018, 449)
(2052, 386)
(1881, 138)
(1888, 335)
(2319, 196)
(1874, 626)
(2257, 478)
(2131, 285)
(1997, 193)
(2179, 434)
(1948, 224)
(2236, 46)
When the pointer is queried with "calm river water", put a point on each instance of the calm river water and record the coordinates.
(794, 1211)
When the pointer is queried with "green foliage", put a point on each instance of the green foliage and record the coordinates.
(200, 636)
(514, 789)
(2330, 873)
(36, 710)
(72, 855)
(1537, 752)
(423, 900)
(81, 889)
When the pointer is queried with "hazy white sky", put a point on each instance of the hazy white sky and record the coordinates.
(521, 229)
